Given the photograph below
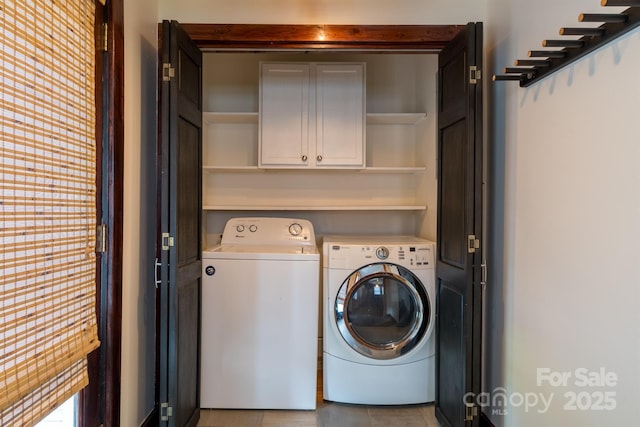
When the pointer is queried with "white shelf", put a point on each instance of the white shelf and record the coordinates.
(232, 169)
(369, 169)
(395, 118)
(230, 117)
(372, 118)
(314, 208)
(393, 169)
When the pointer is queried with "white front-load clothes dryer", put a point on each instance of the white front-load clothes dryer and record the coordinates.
(260, 292)
(379, 319)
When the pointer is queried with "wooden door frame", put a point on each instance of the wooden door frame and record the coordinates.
(112, 291)
(99, 402)
(424, 39)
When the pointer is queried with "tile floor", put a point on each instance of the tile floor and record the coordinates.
(327, 414)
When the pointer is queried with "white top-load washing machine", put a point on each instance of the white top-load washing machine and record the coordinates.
(379, 319)
(260, 292)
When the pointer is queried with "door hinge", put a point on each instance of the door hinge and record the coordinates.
(168, 72)
(167, 241)
(472, 243)
(475, 74)
(166, 411)
(101, 238)
(471, 411)
(105, 36)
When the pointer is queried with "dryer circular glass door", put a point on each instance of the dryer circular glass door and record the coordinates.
(382, 310)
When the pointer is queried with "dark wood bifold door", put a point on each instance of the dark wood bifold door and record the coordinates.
(458, 285)
(180, 218)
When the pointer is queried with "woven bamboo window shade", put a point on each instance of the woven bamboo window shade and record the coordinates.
(47, 204)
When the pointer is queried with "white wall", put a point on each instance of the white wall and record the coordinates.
(398, 12)
(138, 303)
(564, 283)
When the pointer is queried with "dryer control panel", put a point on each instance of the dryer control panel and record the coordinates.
(413, 254)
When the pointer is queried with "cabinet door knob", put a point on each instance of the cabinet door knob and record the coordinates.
(304, 158)
(319, 158)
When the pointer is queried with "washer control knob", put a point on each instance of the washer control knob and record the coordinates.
(240, 228)
(382, 252)
(253, 228)
(295, 229)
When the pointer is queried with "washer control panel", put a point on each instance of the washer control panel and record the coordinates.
(268, 231)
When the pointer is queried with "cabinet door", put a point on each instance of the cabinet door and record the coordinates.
(284, 115)
(340, 115)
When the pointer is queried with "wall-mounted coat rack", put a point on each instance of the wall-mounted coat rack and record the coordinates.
(562, 52)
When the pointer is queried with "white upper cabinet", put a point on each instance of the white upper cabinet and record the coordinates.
(340, 115)
(284, 114)
(312, 115)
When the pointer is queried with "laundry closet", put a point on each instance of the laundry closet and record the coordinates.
(359, 142)
(389, 187)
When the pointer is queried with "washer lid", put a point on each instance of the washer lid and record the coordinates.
(264, 252)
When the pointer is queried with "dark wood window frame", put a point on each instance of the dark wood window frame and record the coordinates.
(99, 402)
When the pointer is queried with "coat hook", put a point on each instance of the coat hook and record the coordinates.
(529, 72)
(499, 77)
(532, 62)
(578, 31)
(547, 53)
(563, 43)
(613, 18)
(635, 3)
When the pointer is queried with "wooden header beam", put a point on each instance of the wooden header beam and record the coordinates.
(317, 37)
